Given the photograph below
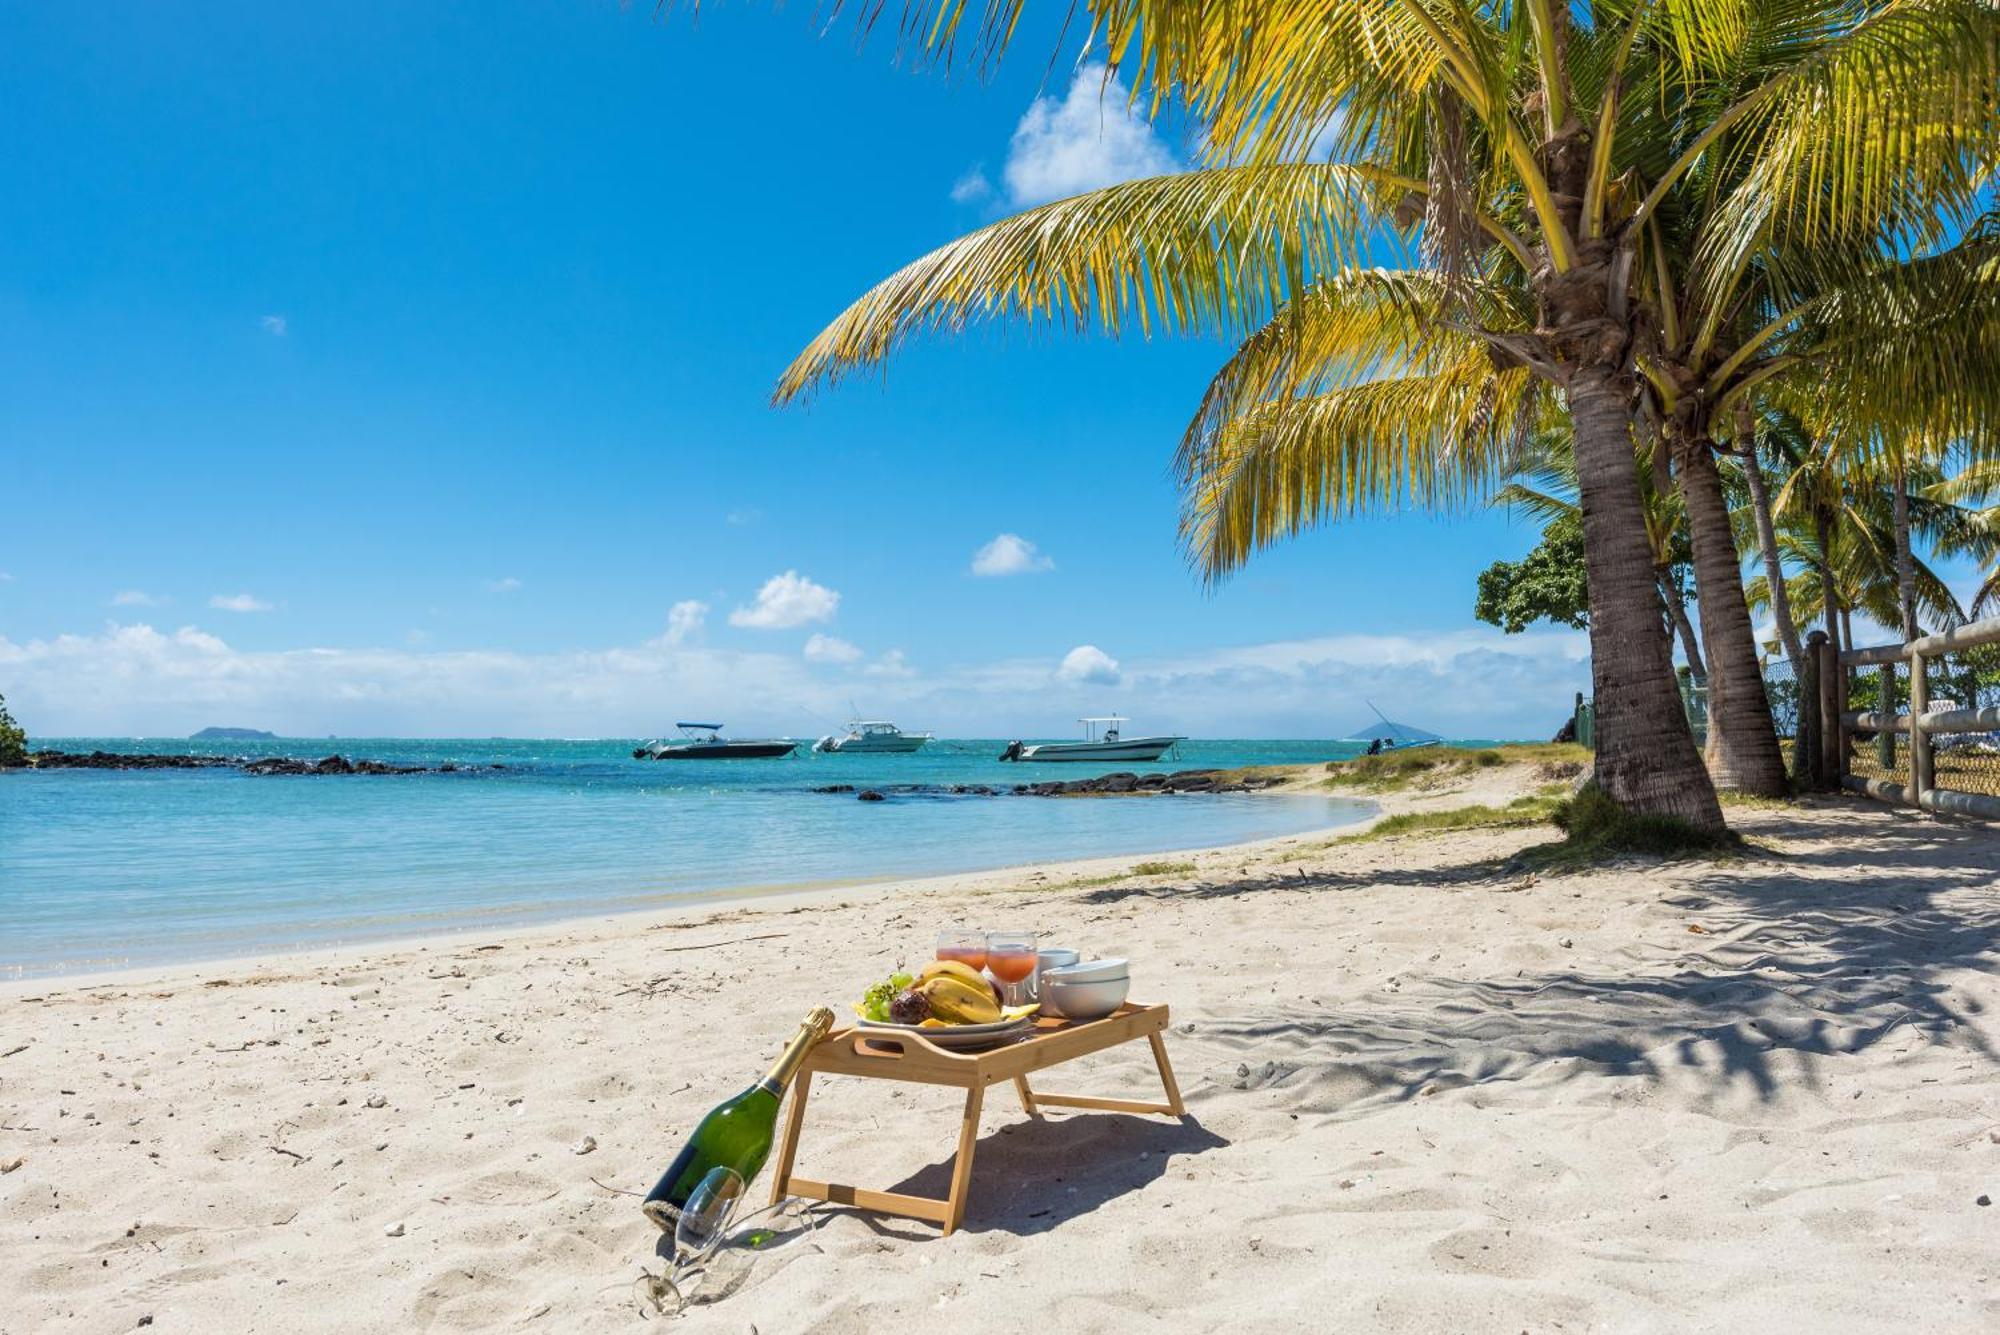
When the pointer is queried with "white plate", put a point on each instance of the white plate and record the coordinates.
(956, 1035)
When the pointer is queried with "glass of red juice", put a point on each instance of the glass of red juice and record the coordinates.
(1010, 958)
(968, 948)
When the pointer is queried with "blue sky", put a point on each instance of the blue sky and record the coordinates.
(404, 367)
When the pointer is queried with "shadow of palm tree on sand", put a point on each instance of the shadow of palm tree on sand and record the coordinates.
(1845, 938)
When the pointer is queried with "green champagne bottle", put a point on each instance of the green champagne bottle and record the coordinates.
(736, 1133)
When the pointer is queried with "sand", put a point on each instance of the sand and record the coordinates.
(1427, 1092)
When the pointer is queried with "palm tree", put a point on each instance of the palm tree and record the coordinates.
(1546, 489)
(1529, 156)
(1858, 553)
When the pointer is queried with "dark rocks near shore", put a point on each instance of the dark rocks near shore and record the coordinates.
(1127, 782)
(120, 760)
(1123, 783)
(266, 765)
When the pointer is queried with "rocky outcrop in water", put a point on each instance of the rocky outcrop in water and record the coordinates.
(1123, 783)
(121, 760)
(266, 765)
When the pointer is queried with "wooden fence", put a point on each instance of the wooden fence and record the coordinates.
(1825, 759)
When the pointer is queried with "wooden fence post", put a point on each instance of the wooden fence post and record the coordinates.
(1808, 753)
(1833, 713)
(1885, 740)
(1920, 741)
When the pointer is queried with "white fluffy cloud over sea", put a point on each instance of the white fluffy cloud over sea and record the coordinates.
(139, 680)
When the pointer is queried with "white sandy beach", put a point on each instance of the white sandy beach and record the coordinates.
(1427, 1092)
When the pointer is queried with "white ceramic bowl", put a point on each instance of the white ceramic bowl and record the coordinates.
(1091, 1000)
(1053, 957)
(1090, 971)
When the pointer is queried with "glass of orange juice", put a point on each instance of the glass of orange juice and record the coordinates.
(968, 948)
(1010, 958)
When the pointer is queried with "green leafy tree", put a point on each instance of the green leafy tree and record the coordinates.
(1548, 584)
(13, 739)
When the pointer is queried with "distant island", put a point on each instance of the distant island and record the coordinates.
(229, 734)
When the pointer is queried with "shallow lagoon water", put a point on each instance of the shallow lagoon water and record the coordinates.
(111, 869)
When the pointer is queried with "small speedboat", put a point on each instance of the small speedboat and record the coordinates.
(704, 741)
(1112, 745)
(873, 736)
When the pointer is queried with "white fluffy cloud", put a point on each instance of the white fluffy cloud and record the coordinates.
(894, 664)
(507, 584)
(1090, 137)
(134, 598)
(831, 649)
(972, 187)
(685, 620)
(238, 602)
(785, 601)
(277, 326)
(135, 680)
(1010, 554)
(1088, 665)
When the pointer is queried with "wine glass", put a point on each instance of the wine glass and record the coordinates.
(968, 948)
(704, 1220)
(1010, 957)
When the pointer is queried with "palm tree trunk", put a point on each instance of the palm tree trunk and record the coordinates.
(1774, 570)
(1677, 612)
(1742, 738)
(1906, 566)
(1829, 597)
(1646, 759)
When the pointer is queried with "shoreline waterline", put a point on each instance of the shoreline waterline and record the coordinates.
(103, 870)
(669, 911)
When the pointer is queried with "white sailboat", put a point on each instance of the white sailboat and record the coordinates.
(1111, 745)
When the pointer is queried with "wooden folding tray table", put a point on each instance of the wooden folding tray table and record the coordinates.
(889, 1055)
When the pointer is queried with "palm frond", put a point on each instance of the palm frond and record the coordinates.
(1380, 444)
(1214, 250)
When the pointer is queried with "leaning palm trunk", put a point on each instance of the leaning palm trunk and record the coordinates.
(1677, 613)
(1742, 739)
(1645, 751)
(1906, 566)
(1774, 570)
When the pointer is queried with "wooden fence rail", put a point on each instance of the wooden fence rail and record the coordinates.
(1921, 724)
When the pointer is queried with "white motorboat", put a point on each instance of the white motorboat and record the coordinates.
(1112, 744)
(873, 737)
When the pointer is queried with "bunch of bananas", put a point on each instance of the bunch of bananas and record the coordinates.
(957, 993)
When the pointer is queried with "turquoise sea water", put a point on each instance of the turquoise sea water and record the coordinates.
(109, 869)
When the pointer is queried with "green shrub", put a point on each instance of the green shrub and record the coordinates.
(13, 740)
(1519, 812)
(1596, 826)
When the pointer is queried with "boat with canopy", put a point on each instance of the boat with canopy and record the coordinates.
(1112, 744)
(1385, 734)
(704, 741)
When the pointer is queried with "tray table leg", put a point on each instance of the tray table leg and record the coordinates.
(1027, 1096)
(961, 1169)
(1167, 1074)
(788, 1144)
